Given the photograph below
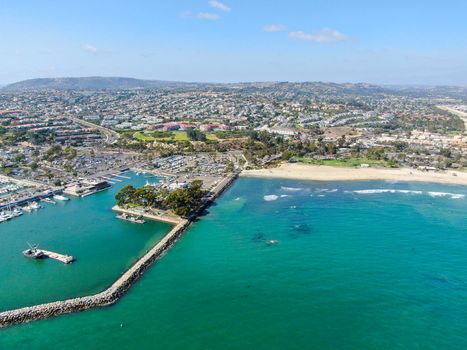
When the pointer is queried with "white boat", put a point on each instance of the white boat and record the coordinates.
(27, 209)
(16, 212)
(31, 206)
(4, 216)
(59, 197)
(48, 200)
(35, 205)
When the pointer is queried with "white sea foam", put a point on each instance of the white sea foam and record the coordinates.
(432, 194)
(292, 189)
(284, 195)
(446, 194)
(271, 197)
(386, 190)
(409, 192)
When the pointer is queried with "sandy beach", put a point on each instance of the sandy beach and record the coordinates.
(327, 173)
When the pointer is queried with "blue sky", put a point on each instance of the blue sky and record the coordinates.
(386, 42)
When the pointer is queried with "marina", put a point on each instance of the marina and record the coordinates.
(122, 285)
(83, 227)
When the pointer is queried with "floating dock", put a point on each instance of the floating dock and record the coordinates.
(121, 176)
(111, 179)
(66, 259)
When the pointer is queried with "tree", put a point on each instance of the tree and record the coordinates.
(446, 152)
(375, 153)
(196, 135)
(341, 142)
(182, 201)
(125, 195)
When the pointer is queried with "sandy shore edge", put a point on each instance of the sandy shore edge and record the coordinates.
(298, 171)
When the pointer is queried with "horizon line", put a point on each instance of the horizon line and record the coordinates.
(425, 85)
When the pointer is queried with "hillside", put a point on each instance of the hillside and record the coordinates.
(88, 83)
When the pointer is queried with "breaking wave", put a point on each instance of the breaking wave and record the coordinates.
(326, 190)
(431, 194)
(386, 191)
(271, 197)
(446, 194)
(291, 189)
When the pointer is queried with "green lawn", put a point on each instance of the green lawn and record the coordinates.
(140, 136)
(168, 136)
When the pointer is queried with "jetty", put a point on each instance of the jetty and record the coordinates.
(35, 253)
(66, 259)
(124, 283)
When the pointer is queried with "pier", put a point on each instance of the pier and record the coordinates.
(66, 259)
(121, 176)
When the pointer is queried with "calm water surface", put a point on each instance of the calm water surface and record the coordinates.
(85, 228)
(356, 266)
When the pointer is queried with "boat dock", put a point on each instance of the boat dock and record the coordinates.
(66, 259)
(111, 179)
(121, 176)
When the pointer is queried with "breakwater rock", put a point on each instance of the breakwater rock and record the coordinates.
(107, 297)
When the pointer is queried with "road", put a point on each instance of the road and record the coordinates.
(110, 135)
(462, 115)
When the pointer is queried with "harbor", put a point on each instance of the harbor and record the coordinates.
(19, 196)
(83, 227)
(121, 286)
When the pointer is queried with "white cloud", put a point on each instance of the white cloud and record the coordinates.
(323, 36)
(90, 48)
(208, 16)
(274, 28)
(219, 5)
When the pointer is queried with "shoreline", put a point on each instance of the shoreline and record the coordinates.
(297, 171)
(161, 217)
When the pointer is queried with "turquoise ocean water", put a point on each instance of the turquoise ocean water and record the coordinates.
(85, 228)
(357, 265)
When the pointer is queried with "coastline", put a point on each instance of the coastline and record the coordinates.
(296, 171)
(162, 217)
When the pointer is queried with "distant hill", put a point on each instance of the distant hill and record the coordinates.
(89, 83)
(288, 90)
